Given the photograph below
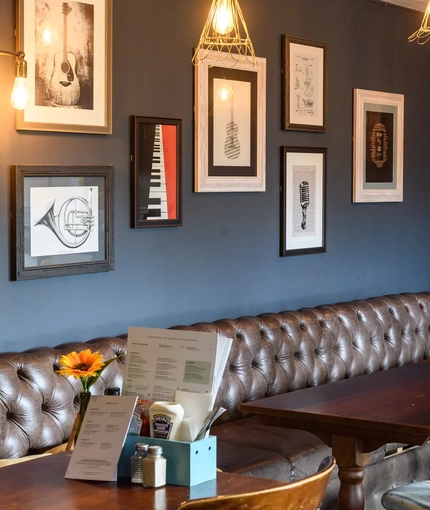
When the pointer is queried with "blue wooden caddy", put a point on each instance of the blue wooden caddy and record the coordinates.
(188, 464)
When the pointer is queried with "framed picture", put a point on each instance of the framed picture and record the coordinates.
(303, 177)
(68, 48)
(156, 172)
(304, 90)
(378, 146)
(62, 220)
(230, 125)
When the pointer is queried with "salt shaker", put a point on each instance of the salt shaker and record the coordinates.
(140, 453)
(154, 468)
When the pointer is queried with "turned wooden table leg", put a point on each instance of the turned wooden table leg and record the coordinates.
(351, 461)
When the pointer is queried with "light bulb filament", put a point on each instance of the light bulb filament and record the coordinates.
(223, 19)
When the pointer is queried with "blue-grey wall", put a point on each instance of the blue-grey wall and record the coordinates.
(224, 260)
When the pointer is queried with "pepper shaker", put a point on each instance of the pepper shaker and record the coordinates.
(141, 451)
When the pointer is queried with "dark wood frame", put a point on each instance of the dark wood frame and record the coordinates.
(287, 200)
(24, 177)
(140, 156)
(287, 121)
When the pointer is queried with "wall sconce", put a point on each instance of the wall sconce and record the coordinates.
(422, 35)
(19, 97)
(225, 29)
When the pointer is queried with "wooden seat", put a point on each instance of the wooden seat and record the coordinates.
(413, 496)
(306, 494)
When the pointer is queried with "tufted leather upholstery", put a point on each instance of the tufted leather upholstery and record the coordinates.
(279, 352)
(38, 406)
(272, 353)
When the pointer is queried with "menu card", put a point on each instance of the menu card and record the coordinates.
(101, 438)
(163, 361)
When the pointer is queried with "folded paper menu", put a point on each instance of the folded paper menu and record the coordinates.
(101, 438)
(163, 361)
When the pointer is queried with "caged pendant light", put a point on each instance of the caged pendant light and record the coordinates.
(225, 35)
(422, 35)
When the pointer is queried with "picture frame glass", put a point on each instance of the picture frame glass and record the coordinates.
(304, 84)
(156, 172)
(230, 124)
(62, 221)
(378, 146)
(380, 154)
(68, 49)
(302, 200)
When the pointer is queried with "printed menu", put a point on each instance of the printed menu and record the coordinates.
(101, 438)
(163, 361)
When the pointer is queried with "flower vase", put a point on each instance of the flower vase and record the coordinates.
(83, 404)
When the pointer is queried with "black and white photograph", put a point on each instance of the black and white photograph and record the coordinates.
(62, 220)
(68, 47)
(378, 146)
(302, 200)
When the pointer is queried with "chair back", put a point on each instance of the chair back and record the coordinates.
(305, 494)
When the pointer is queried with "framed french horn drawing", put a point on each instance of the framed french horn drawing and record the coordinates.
(62, 220)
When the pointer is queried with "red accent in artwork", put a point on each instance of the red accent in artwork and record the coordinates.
(170, 158)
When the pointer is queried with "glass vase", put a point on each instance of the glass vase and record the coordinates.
(83, 404)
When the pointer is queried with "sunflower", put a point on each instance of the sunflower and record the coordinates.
(85, 365)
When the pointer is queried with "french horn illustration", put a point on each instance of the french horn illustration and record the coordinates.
(73, 224)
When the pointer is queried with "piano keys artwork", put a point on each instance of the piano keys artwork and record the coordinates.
(156, 172)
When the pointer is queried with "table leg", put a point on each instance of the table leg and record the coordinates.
(351, 461)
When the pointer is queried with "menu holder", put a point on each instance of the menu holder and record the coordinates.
(187, 464)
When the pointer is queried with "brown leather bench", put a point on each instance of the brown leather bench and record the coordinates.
(272, 353)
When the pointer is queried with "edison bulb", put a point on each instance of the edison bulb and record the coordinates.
(19, 98)
(223, 19)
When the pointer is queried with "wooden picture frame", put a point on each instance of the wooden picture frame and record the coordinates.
(303, 200)
(230, 124)
(62, 220)
(68, 48)
(156, 172)
(304, 84)
(378, 146)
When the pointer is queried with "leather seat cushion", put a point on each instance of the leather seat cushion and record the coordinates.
(414, 496)
(247, 446)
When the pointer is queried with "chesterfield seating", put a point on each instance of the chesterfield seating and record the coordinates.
(272, 353)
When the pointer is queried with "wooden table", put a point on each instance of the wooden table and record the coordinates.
(40, 484)
(356, 416)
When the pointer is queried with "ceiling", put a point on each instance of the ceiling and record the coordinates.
(416, 5)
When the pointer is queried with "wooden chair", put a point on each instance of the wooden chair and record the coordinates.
(305, 494)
